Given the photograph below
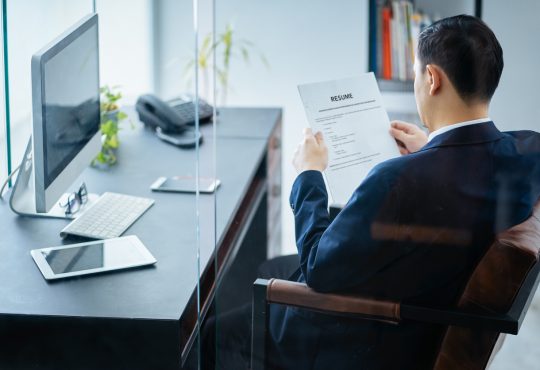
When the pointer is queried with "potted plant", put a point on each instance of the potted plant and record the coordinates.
(111, 116)
(231, 47)
(227, 46)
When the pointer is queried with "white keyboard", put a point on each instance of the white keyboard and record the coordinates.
(109, 217)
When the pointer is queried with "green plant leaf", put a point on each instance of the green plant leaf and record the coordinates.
(121, 115)
(203, 61)
(264, 61)
(245, 54)
(113, 142)
(207, 42)
(106, 127)
(222, 77)
(110, 97)
(111, 157)
(101, 157)
(109, 128)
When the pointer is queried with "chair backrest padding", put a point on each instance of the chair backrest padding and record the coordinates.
(492, 288)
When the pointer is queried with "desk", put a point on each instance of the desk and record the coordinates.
(144, 318)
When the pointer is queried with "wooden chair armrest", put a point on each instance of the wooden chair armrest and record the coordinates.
(300, 295)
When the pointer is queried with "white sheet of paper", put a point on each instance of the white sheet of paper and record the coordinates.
(354, 123)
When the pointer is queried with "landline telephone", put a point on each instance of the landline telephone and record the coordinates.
(173, 121)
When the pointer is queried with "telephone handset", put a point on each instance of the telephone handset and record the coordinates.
(173, 121)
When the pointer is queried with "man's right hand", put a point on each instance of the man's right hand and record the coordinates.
(409, 137)
(312, 153)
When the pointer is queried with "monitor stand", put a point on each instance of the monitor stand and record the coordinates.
(22, 200)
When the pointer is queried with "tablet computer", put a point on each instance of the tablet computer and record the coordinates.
(92, 257)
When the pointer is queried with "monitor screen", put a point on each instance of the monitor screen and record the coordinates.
(70, 101)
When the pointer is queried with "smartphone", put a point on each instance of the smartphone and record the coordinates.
(185, 184)
(92, 257)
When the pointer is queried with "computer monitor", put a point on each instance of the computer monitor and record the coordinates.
(66, 111)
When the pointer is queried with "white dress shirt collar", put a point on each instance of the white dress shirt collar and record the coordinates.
(444, 129)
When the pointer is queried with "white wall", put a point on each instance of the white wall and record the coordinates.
(444, 8)
(126, 46)
(516, 103)
(173, 45)
(31, 25)
(125, 50)
(303, 40)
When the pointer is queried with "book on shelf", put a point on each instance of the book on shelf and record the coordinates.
(386, 50)
(394, 29)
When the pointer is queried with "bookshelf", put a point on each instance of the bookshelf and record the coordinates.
(395, 85)
(396, 76)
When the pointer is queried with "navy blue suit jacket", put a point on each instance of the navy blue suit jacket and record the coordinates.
(413, 231)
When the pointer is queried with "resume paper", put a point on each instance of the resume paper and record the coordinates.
(354, 124)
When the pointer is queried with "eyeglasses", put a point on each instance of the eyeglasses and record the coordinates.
(75, 200)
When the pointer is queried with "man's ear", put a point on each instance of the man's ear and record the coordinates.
(434, 79)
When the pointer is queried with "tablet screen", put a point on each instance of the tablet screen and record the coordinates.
(107, 254)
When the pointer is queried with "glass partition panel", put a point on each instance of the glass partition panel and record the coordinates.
(182, 76)
(149, 145)
(3, 136)
(174, 53)
(263, 52)
(159, 140)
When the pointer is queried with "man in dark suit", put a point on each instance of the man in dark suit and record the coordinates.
(418, 224)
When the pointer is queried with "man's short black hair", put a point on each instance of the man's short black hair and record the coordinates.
(468, 52)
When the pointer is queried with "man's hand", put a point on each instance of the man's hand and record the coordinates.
(311, 153)
(410, 138)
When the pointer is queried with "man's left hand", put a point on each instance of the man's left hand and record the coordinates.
(311, 153)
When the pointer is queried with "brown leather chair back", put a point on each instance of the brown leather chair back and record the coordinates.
(493, 287)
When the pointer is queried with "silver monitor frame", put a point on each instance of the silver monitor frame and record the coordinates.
(29, 196)
(47, 198)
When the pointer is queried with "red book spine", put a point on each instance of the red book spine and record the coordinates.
(387, 45)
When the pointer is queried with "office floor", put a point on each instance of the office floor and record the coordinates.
(522, 352)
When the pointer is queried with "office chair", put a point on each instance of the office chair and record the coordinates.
(494, 302)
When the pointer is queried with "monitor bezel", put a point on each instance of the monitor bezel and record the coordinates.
(46, 197)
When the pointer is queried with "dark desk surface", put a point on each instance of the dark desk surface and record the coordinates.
(168, 229)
